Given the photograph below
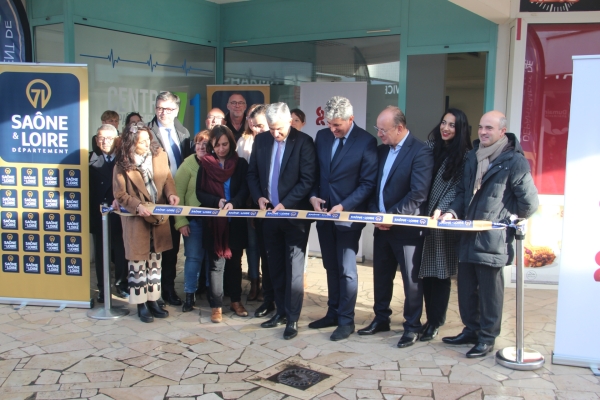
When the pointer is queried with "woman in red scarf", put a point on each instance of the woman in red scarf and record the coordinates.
(221, 183)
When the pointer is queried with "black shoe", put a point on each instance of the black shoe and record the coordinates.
(156, 310)
(324, 322)
(100, 297)
(342, 332)
(277, 320)
(264, 309)
(429, 333)
(170, 297)
(144, 313)
(374, 327)
(189, 303)
(408, 339)
(122, 294)
(291, 330)
(480, 350)
(461, 338)
(161, 303)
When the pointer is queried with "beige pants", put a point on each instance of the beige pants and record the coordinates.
(144, 279)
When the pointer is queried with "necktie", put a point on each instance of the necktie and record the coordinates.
(275, 175)
(338, 150)
(174, 148)
(108, 159)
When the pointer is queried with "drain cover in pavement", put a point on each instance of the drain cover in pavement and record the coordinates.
(298, 378)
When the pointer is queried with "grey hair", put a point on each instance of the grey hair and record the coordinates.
(278, 112)
(107, 127)
(502, 122)
(168, 96)
(399, 117)
(338, 107)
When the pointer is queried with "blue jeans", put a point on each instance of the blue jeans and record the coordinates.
(194, 256)
(252, 252)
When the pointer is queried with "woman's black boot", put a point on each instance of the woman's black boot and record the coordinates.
(156, 311)
(190, 300)
(144, 313)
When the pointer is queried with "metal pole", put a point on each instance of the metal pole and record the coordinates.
(520, 357)
(107, 312)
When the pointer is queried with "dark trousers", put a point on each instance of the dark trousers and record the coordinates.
(286, 246)
(117, 246)
(480, 300)
(169, 262)
(338, 250)
(389, 250)
(225, 271)
(436, 293)
(267, 285)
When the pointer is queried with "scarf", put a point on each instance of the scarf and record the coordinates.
(212, 181)
(144, 166)
(485, 156)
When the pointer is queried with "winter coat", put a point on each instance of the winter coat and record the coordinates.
(506, 188)
(130, 191)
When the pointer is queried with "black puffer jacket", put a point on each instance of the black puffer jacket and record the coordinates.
(507, 188)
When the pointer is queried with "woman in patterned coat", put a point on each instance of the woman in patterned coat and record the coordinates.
(450, 142)
(141, 176)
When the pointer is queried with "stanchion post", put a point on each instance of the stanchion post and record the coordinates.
(520, 357)
(107, 312)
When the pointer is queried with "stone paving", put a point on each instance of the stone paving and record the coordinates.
(66, 355)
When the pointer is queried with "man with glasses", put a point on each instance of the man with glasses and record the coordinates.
(403, 181)
(236, 117)
(175, 140)
(101, 173)
(215, 117)
(348, 166)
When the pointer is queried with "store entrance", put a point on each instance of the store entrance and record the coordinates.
(436, 82)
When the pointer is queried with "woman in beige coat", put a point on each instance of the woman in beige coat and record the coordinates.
(142, 176)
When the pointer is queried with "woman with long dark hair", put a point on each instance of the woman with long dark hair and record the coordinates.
(450, 141)
(142, 176)
(221, 183)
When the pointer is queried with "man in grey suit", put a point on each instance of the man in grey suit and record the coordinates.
(496, 184)
(175, 140)
(403, 181)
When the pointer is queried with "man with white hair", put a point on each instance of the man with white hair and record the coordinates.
(347, 156)
(281, 174)
(214, 117)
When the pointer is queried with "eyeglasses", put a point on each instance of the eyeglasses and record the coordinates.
(105, 139)
(237, 103)
(135, 126)
(201, 144)
(384, 131)
(215, 118)
(166, 110)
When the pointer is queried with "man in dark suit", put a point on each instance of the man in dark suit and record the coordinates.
(175, 140)
(347, 158)
(281, 174)
(403, 181)
(101, 173)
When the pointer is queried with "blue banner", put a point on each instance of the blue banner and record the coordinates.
(14, 30)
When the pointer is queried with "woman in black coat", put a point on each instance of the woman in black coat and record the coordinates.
(450, 141)
(221, 183)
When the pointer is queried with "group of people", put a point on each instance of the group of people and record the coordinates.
(258, 157)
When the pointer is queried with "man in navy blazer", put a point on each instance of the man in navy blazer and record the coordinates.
(347, 170)
(403, 181)
(281, 173)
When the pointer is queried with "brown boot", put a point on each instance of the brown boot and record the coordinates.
(254, 289)
(238, 309)
(217, 315)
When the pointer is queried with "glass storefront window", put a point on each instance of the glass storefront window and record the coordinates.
(547, 97)
(49, 43)
(374, 60)
(127, 71)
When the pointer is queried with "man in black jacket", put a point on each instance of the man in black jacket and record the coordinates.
(496, 184)
(282, 171)
(101, 173)
(175, 140)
